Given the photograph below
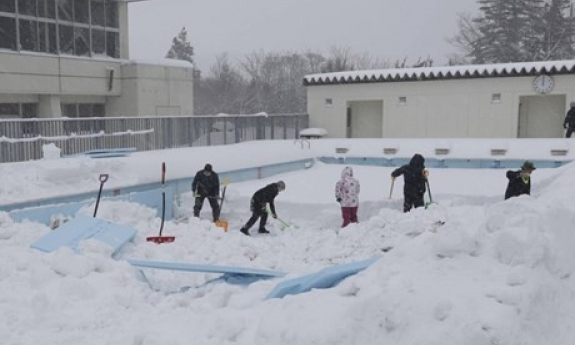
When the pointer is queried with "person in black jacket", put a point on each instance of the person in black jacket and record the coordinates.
(206, 184)
(569, 123)
(258, 203)
(414, 176)
(519, 181)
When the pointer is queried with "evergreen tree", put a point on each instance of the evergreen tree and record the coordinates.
(181, 48)
(507, 31)
(517, 30)
(558, 31)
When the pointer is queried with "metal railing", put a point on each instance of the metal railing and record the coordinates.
(23, 139)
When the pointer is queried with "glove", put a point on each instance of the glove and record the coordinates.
(425, 173)
(274, 215)
(392, 178)
(565, 126)
(338, 199)
(197, 195)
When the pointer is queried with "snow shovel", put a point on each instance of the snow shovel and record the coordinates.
(286, 224)
(223, 223)
(103, 179)
(391, 188)
(162, 239)
(429, 192)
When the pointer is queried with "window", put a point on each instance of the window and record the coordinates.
(65, 10)
(8, 6)
(496, 98)
(402, 100)
(28, 35)
(8, 33)
(81, 11)
(98, 42)
(66, 39)
(82, 41)
(328, 102)
(113, 44)
(98, 16)
(27, 7)
(9, 110)
(82, 110)
(74, 27)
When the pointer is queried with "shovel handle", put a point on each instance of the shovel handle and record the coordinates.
(103, 178)
(163, 172)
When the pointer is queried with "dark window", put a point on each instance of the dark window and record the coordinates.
(8, 6)
(51, 9)
(66, 39)
(112, 14)
(42, 8)
(99, 42)
(81, 11)
(85, 110)
(82, 41)
(7, 33)
(69, 110)
(99, 110)
(65, 10)
(28, 35)
(43, 37)
(27, 7)
(52, 39)
(10, 109)
(112, 44)
(98, 17)
(29, 110)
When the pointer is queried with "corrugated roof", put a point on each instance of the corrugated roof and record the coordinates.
(447, 72)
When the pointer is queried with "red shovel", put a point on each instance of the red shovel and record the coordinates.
(162, 239)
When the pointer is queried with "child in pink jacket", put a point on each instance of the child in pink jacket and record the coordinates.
(347, 194)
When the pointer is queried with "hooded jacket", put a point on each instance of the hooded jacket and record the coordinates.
(414, 181)
(347, 188)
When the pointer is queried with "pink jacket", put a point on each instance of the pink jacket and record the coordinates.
(347, 189)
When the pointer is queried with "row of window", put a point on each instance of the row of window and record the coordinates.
(72, 110)
(24, 27)
(95, 12)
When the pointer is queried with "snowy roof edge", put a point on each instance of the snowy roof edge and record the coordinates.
(442, 72)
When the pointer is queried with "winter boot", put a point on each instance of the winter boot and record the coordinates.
(263, 231)
(245, 231)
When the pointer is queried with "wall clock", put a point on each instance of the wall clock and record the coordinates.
(543, 83)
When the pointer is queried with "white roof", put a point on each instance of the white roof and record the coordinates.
(445, 72)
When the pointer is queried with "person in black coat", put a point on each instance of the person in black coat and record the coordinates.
(519, 181)
(415, 177)
(569, 123)
(258, 204)
(206, 184)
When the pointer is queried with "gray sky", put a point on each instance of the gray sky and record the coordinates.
(388, 30)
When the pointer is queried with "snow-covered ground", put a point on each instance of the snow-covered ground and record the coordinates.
(497, 272)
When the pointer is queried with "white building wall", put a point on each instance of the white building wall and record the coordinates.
(437, 108)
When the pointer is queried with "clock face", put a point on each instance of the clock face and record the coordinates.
(543, 83)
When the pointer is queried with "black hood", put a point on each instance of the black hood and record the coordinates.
(417, 160)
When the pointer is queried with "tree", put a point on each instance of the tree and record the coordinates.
(516, 30)
(222, 91)
(181, 48)
(558, 31)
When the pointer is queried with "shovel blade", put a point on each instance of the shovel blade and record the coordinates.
(161, 239)
(222, 224)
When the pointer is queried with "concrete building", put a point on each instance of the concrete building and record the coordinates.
(516, 100)
(70, 58)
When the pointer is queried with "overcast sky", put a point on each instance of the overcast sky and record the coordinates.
(389, 30)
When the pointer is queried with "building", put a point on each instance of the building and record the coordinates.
(515, 100)
(70, 58)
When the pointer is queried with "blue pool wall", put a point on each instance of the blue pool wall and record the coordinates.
(149, 194)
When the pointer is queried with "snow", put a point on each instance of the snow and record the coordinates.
(504, 69)
(497, 272)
